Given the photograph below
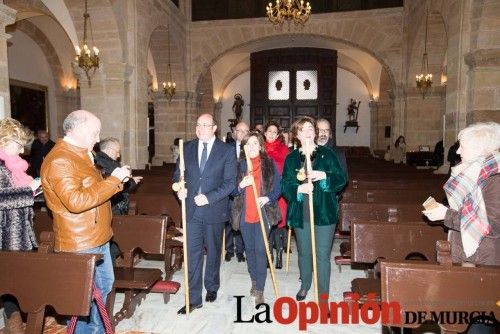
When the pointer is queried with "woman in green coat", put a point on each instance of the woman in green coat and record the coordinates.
(328, 179)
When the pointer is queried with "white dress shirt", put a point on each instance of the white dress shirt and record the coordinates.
(209, 148)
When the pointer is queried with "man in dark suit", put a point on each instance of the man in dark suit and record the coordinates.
(210, 177)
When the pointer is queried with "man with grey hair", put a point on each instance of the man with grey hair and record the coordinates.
(78, 197)
(107, 160)
(325, 139)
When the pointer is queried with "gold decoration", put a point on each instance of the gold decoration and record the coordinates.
(301, 175)
(85, 58)
(288, 10)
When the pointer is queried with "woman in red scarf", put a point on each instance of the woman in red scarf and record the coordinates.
(16, 204)
(277, 150)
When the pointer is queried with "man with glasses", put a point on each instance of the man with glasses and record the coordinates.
(107, 160)
(210, 177)
(233, 238)
(325, 139)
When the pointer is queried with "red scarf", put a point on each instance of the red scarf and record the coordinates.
(278, 152)
(18, 167)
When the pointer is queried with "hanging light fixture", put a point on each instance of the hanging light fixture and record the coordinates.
(288, 10)
(169, 86)
(424, 79)
(87, 60)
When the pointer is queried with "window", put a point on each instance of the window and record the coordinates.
(307, 85)
(279, 85)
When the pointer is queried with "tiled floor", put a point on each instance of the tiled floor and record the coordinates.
(153, 316)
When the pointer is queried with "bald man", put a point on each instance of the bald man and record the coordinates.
(210, 178)
(78, 197)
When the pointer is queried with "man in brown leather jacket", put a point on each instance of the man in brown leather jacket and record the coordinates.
(78, 197)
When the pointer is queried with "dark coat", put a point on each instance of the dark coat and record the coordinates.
(16, 214)
(270, 187)
(119, 202)
(37, 154)
(324, 192)
(488, 252)
(216, 182)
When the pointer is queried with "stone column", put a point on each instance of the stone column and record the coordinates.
(7, 16)
(374, 128)
(107, 98)
(483, 100)
(173, 119)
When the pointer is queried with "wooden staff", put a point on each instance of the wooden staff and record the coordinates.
(311, 220)
(262, 227)
(288, 247)
(223, 243)
(176, 187)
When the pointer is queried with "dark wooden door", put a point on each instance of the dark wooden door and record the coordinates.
(293, 62)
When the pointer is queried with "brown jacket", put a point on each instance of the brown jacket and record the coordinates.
(488, 252)
(78, 197)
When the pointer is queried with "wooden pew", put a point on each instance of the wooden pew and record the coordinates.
(372, 242)
(156, 205)
(423, 287)
(413, 195)
(62, 280)
(148, 235)
(381, 212)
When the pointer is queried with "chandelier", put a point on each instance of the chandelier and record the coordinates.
(86, 59)
(289, 10)
(424, 79)
(169, 86)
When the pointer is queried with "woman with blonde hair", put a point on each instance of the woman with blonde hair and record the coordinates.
(473, 192)
(16, 204)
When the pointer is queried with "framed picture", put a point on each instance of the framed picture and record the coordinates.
(29, 104)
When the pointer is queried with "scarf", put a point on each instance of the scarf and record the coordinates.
(17, 167)
(464, 193)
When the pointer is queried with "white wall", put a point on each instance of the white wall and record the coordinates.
(350, 86)
(241, 85)
(27, 63)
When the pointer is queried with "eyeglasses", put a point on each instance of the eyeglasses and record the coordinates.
(325, 131)
(242, 131)
(18, 143)
(272, 132)
(204, 125)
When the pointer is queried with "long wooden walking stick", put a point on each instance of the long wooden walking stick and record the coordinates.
(311, 220)
(262, 227)
(288, 248)
(181, 185)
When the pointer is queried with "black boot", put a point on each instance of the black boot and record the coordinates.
(279, 259)
(271, 251)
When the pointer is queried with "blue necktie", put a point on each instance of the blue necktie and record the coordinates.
(203, 160)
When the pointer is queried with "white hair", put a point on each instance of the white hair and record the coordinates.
(481, 137)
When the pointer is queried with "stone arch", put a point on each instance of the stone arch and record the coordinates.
(317, 38)
(48, 50)
(378, 33)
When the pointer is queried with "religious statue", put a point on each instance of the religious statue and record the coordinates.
(352, 113)
(352, 109)
(238, 106)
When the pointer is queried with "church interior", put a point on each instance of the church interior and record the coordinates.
(375, 69)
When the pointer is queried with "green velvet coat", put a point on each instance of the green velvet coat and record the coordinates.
(324, 194)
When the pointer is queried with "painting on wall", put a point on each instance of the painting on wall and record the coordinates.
(29, 104)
